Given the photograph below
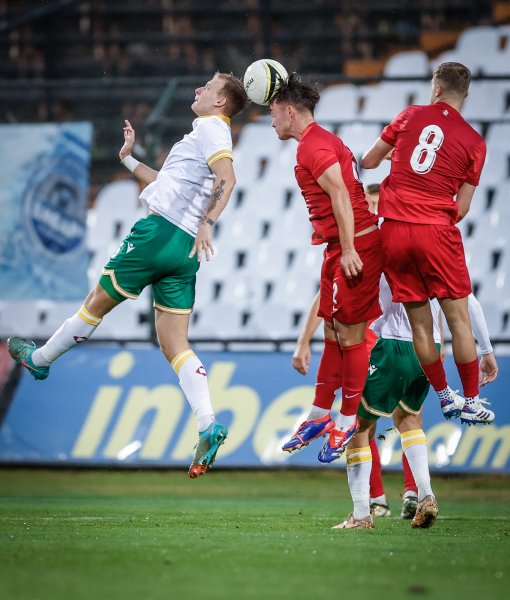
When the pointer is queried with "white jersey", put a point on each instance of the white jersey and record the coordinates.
(182, 190)
(394, 324)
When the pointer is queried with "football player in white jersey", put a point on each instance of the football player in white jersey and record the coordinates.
(184, 200)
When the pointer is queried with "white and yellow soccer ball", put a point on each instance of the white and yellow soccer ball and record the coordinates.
(262, 80)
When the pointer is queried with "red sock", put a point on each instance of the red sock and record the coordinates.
(468, 373)
(436, 375)
(355, 372)
(329, 375)
(409, 482)
(376, 484)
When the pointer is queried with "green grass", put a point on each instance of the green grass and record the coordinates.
(151, 535)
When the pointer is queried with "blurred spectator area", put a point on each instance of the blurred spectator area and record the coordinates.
(107, 60)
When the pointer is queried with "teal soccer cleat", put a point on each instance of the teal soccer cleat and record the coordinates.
(208, 445)
(22, 352)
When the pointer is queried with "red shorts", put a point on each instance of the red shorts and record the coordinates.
(355, 300)
(424, 261)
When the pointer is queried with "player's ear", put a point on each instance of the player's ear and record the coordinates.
(221, 100)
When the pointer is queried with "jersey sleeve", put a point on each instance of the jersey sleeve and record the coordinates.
(319, 158)
(214, 140)
(477, 162)
(390, 132)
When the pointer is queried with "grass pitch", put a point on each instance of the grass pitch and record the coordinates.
(86, 535)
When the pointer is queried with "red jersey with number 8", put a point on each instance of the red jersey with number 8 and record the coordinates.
(318, 150)
(435, 152)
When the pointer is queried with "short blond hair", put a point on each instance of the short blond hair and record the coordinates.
(454, 77)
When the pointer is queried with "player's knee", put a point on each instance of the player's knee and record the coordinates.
(405, 421)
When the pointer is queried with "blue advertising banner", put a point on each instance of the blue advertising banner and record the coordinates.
(43, 202)
(113, 406)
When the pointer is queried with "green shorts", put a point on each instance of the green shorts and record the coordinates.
(395, 378)
(154, 253)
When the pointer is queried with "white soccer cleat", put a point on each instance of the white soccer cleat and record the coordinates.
(453, 405)
(475, 413)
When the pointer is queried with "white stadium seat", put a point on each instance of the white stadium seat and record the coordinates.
(413, 63)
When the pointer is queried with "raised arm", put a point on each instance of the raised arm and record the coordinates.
(374, 156)
(331, 181)
(222, 188)
(139, 170)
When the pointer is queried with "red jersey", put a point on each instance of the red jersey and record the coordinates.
(435, 152)
(317, 150)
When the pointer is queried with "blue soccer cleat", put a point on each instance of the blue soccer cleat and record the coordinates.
(22, 352)
(208, 445)
(336, 443)
(453, 405)
(309, 431)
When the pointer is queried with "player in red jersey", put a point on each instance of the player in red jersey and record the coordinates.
(326, 172)
(436, 162)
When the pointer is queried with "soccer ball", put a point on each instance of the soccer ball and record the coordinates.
(263, 79)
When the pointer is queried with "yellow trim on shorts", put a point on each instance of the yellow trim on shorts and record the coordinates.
(179, 359)
(218, 156)
(412, 437)
(111, 274)
(89, 318)
(173, 311)
(406, 408)
(358, 455)
(373, 411)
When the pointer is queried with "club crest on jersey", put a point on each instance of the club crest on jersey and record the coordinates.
(372, 369)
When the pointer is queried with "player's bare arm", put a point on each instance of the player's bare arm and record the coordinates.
(331, 181)
(464, 197)
(374, 156)
(221, 191)
(302, 354)
(488, 369)
(142, 172)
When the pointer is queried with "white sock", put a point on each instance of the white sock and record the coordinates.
(316, 412)
(75, 330)
(359, 467)
(414, 445)
(379, 500)
(344, 422)
(193, 381)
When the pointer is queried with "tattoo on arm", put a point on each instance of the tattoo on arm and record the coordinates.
(216, 196)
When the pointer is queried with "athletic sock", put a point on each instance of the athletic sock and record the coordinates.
(436, 375)
(355, 370)
(329, 375)
(316, 412)
(193, 381)
(75, 330)
(378, 499)
(376, 482)
(409, 482)
(468, 373)
(359, 465)
(414, 445)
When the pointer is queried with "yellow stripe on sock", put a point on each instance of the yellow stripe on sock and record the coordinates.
(358, 455)
(179, 359)
(89, 318)
(412, 437)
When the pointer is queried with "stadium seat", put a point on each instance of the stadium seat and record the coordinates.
(413, 63)
(385, 100)
(256, 147)
(359, 136)
(338, 103)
